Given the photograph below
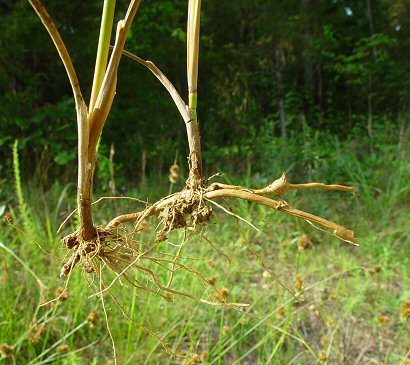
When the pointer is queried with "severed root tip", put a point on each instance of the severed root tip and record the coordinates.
(278, 187)
(282, 185)
(346, 235)
(256, 196)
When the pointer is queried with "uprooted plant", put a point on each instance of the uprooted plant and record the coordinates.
(115, 246)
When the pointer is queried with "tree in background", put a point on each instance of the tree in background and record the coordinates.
(269, 69)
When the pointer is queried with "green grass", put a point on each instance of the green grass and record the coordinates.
(333, 321)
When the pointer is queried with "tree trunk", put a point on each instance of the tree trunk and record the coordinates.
(370, 16)
(370, 81)
(143, 183)
(321, 94)
(279, 83)
(307, 64)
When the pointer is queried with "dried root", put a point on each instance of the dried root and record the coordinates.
(186, 210)
(174, 208)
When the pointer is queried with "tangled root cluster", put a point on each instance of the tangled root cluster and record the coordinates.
(184, 212)
(138, 262)
(102, 247)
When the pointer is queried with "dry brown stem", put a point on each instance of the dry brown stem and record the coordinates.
(179, 102)
(61, 49)
(85, 170)
(192, 128)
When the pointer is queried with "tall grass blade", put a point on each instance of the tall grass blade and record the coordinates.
(26, 267)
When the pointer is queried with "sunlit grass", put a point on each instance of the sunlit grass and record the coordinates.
(333, 319)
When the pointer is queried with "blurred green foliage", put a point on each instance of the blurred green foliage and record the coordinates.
(340, 72)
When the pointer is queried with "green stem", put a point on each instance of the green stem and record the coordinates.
(103, 48)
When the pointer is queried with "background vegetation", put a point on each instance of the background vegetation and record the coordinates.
(319, 89)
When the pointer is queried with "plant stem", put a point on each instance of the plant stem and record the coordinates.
(188, 115)
(87, 158)
(84, 200)
(103, 48)
(179, 102)
(95, 123)
(84, 193)
(194, 13)
(99, 114)
(195, 156)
